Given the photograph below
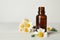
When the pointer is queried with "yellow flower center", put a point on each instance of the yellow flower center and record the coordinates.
(48, 28)
(27, 25)
(26, 30)
(40, 34)
(22, 26)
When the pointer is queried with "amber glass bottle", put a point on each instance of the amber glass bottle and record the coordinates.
(41, 19)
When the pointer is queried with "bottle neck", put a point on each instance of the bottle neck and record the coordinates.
(41, 11)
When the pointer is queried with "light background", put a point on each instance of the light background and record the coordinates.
(12, 12)
(17, 10)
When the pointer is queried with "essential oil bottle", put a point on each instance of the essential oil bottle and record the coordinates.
(41, 19)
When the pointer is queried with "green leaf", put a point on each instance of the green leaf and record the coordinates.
(33, 35)
(54, 30)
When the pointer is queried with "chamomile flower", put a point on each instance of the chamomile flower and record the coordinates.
(21, 25)
(25, 21)
(49, 28)
(27, 25)
(40, 33)
(26, 30)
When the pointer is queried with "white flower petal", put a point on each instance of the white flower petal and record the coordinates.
(40, 29)
(49, 27)
(35, 32)
(45, 34)
(43, 30)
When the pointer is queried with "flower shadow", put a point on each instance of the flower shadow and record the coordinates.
(51, 33)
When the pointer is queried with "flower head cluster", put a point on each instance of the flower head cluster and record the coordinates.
(25, 26)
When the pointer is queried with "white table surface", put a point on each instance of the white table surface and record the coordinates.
(9, 31)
